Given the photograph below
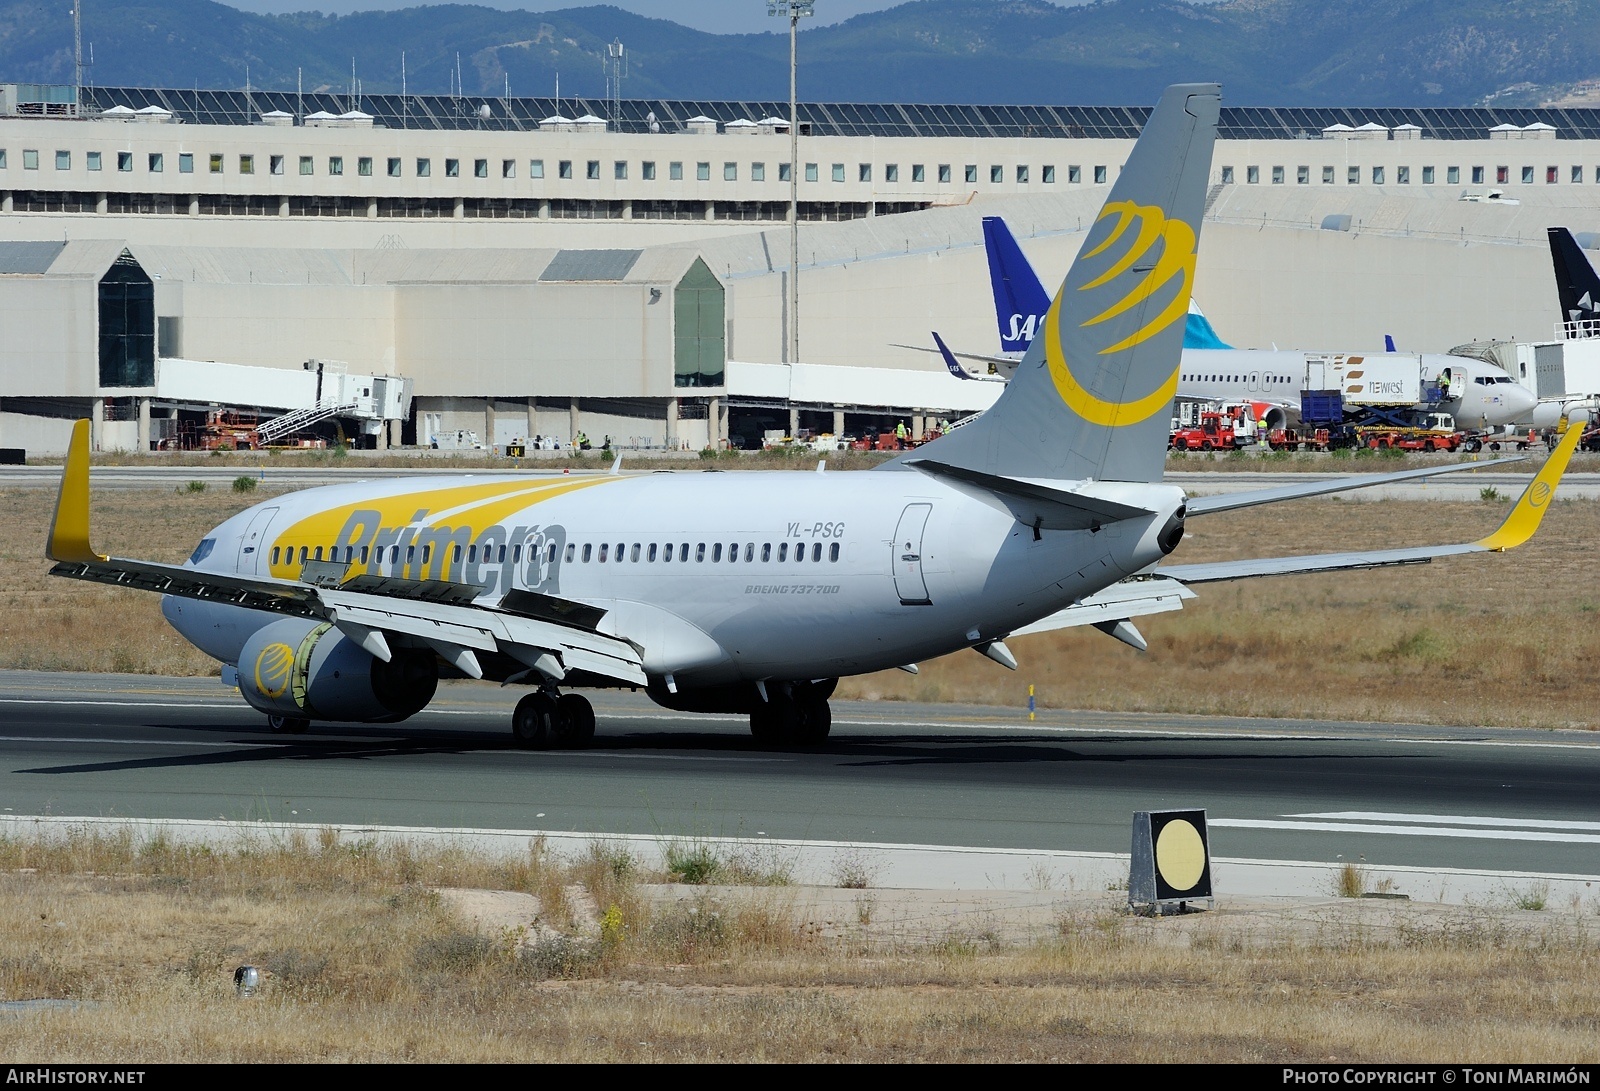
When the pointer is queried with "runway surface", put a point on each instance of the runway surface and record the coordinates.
(1402, 796)
(1467, 485)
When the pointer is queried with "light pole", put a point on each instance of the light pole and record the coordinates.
(794, 9)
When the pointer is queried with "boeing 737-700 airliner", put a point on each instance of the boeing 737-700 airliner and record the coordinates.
(754, 592)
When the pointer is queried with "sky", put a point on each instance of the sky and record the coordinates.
(716, 16)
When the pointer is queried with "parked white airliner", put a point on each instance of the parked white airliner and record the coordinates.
(1476, 394)
(754, 592)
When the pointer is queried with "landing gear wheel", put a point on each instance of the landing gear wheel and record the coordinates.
(1473, 446)
(533, 723)
(791, 721)
(574, 720)
(816, 720)
(280, 724)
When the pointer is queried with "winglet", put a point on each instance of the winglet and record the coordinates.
(1531, 506)
(69, 529)
(616, 467)
(949, 357)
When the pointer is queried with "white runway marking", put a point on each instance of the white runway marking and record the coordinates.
(1451, 819)
(1486, 828)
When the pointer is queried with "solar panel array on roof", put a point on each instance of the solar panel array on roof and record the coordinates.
(590, 265)
(835, 118)
(29, 257)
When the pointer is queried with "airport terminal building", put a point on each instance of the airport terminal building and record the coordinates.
(436, 269)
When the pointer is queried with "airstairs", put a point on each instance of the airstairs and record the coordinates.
(279, 427)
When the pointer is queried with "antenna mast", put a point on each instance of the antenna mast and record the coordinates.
(77, 53)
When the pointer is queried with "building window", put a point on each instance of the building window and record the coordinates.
(838, 172)
(1075, 175)
(1527, 176)
(1327, 176)
(480, 168)
(1100, 176)
(1302, 176)
(864, 172)
(647, 170)
(1049, 175)
(336, 166)
(1452, 176)
(536, 168)
(730, 172)
(1427, 176)
(30, 159)
(1022, 174)
(918, 173)
(1477, 176)
(758, 172)
(811, 172)
(186, 163)
(944, 173)
(1352, 176)
(564, 169)
(214, 163)
(1227, 175)
(364, 166)
(424, 168)
(1550, 175)
(675, 172)
(63, 160)
(783, 172)
(391, 166)
(90, 160)
(1377, 176)
(306, 166)
(1502, 174)
(247, 164)
(891, 172)
(452, 168)
(1577, 175)
(1252, 175)
(508, 168)
(970, 174)
(1277, 176)
(1402, 176)
(997, 174)
(702, 172)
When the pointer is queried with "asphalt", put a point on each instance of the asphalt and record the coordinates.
(980, 780)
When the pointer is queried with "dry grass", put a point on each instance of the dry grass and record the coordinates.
(365, 962)
(1496, 640)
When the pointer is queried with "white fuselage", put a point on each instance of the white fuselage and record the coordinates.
(719, 577)
(1479, 395)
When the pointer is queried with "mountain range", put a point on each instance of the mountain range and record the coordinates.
(1265, 52)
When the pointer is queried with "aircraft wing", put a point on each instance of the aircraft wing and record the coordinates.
(1207, 505)
(1517, 528)
(1136, 596)
(544, 633)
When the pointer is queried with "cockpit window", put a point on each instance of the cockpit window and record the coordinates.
(203, 550)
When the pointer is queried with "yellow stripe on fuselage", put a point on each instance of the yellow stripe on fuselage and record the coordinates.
(456, 514)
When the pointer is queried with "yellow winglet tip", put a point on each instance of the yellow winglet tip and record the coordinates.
(69, 529)
(1529, 510)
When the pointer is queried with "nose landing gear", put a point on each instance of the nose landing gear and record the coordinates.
(547, 720)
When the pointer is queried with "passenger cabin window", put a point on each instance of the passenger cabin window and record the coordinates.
(587, 547)
(652, 554)
(833, 551)
(716, 552)
(700, 552)
(783, 551)
(766, 552)
(572, 549)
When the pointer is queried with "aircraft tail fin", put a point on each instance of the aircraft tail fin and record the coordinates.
(1197, 331)
(950, 361)
(1093, 396)
(1576, 283)
(1020, 301)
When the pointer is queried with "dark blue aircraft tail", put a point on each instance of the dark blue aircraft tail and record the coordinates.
(1019, 299)
(1576, 282)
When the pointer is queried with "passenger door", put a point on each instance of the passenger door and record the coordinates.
(907, 559)
(250, 546)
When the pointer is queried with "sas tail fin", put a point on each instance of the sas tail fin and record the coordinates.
(1576, 282)
(1197, 331)
(1093, 396)
(1020, 301)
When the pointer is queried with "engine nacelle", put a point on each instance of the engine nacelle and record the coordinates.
(296, 667)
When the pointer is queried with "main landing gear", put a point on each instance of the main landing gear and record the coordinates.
(547, 720)
(279, 724)
(793, 714)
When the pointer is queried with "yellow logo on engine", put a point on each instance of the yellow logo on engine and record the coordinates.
(1177, 260)
(274, 667)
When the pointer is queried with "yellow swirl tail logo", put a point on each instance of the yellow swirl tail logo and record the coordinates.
(1177, 240)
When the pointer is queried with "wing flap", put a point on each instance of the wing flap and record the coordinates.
(1133, 597)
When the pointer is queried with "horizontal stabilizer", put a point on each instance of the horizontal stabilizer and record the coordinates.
(1044, 504)
(1207, 505)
